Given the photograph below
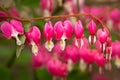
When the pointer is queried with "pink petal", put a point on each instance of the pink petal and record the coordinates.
(6, 29)
(4, 15)
(92, 27)
(58, 30)
(102, 35)
(35, 34)
(17, 26)
(68, 29)
(48, 30)
(78, 29)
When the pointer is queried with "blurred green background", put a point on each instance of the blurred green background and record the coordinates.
(12, 68)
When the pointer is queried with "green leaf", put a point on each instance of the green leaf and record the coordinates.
(20, 48)
(4, 73)
(28, 3)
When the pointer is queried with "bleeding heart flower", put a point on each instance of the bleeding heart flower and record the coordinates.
(57, 68)
(100, 61)
(41, 59)
(14, 12)
(3, 14)
(47, 7)
(71, 52)
(92, 31)
(33, 38)
(62, 31)
(12, 29)
(78, 30)
(48, 32)
(102, 36)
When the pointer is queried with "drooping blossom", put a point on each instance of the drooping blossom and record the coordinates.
(114, 19)
(12, 29)
(48, 32)
(71, 56)
(41, 59)
(100, 61)
(63, 31)
(116, 52)
(33, 38)
(47, 7)
(78, 30)
(57, 68)
(102, 35)
(92, 31)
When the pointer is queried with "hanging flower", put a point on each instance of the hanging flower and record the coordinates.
(92, 31)
(48, 32)
(12, 29)
(33, 38)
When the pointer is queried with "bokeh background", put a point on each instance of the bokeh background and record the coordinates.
(12, 68)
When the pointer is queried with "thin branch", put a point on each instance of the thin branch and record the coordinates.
(62, 16)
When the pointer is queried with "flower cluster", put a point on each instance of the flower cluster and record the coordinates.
(60, 56)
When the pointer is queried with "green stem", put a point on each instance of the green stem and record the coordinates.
(11, 60)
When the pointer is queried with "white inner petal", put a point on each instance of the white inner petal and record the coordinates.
(104, 46)
(77, 41)
(70, 65)
(82, 65)
(117, 62)
(34, 48)
(94, 39)
(49, 45)
(46, 13)
(15, 35)
(89, 39)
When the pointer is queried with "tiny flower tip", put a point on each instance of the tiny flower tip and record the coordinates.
(49, 45)
(18, 42)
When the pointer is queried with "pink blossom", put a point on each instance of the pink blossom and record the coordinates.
(47, 7)
(48, 32)
(41, 59)
(89, 56)
(92, 27)
(62, 31)
(33, 38)
(3, 14)
(115, 15)
(92, 31)
(100, 12)
(78, 29)
(57, 68)
(14, 12)
(12, 29)
(71, 52)
(100, 60)
(102, 35)
(57, 50)
(116, 48)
